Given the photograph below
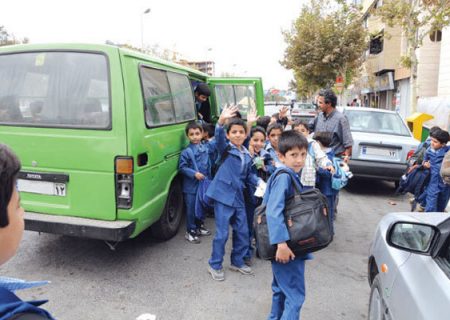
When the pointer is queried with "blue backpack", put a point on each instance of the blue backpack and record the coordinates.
(339, 179)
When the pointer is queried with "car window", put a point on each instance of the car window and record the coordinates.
(157, 98)
(446, 256)
(241, 95)
(183, 98)
(376, 122)
(55, 89)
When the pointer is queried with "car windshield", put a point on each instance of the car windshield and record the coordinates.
(376, 122)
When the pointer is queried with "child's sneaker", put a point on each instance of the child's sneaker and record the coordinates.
(420, 208)
(217, 275)
(191, 236)
(244, 269)
(202, 231)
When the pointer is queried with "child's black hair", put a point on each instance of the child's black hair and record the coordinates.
(236, 122)
(9, 167)
(440, 135)
(258, 129)
(263, 122)
(291, 139)
(434, 128)
(193, 125)
(209, 128)
(237, 115)
(203, 89)
(324, 137)
(274, 126)
(299, 122)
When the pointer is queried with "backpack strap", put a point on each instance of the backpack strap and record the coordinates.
(192, 157)
(296, 186)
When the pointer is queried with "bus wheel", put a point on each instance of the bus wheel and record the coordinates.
(168, 224)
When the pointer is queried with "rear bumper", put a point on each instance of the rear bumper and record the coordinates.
(79, 227)
(377, 170)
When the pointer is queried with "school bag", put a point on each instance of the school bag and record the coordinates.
(203, 204)
(414, 182)
(306, 216)
(445, 168)
(339, 179)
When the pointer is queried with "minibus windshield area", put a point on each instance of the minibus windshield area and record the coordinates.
(55, 89)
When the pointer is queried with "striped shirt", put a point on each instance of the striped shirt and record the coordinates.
(337, 123)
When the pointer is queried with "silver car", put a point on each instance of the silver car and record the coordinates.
(409, 267)
(382, 143)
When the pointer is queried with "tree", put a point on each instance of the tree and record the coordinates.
(7, 39)
(417, 18)
(326, 40)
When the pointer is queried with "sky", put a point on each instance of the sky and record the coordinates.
(243, 37)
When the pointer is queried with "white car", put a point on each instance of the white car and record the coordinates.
(409, 267)
(382, 143)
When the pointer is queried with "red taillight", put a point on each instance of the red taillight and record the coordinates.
(410, 154)
(124, 182)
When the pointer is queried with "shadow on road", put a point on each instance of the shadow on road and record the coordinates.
(361, 186)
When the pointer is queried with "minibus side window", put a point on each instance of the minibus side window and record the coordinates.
(225, 96)
(157, 98)
(245, 98)
(183, 99)
(241, 95)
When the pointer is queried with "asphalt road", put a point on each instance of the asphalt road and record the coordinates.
(170, 279)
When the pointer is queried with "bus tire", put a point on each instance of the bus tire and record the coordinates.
(168, 224)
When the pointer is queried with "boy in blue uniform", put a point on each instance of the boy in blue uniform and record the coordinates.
(11, 231)
(194, 166)
(324, 182)
(273, 134)
(227, 190)
(288, 270)
(437, 192)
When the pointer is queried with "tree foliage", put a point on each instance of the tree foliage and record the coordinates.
(7, 39)
(417, 18)
(326, 40)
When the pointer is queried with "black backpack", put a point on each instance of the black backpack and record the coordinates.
(309, 225)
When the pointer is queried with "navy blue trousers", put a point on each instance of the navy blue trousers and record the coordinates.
(288, 287)
(189, 200)
(237, 217)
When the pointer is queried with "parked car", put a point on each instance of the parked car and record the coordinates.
(382, 143)
(409, 267)
(303, 111)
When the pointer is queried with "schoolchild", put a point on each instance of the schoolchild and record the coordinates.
(227, 191)
(324, 176)
(194, 166)
(208, 131)
(263, 122)
(273, 134)
(11, 231)
(261, 165)
(437, 192)
(315, 158)
(201, 94)
(288, 285)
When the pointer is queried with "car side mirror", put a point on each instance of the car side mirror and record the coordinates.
(412, 237)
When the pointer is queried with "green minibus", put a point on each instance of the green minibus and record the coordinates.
(99, 130)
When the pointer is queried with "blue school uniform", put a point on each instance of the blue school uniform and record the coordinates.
(200, 153)
(274, 156)
(11, 305)
(437, 192)
(288, 285)
(323, 183)
(251, 202)
(227, 190)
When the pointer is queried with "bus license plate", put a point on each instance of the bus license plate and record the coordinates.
(42, 187)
